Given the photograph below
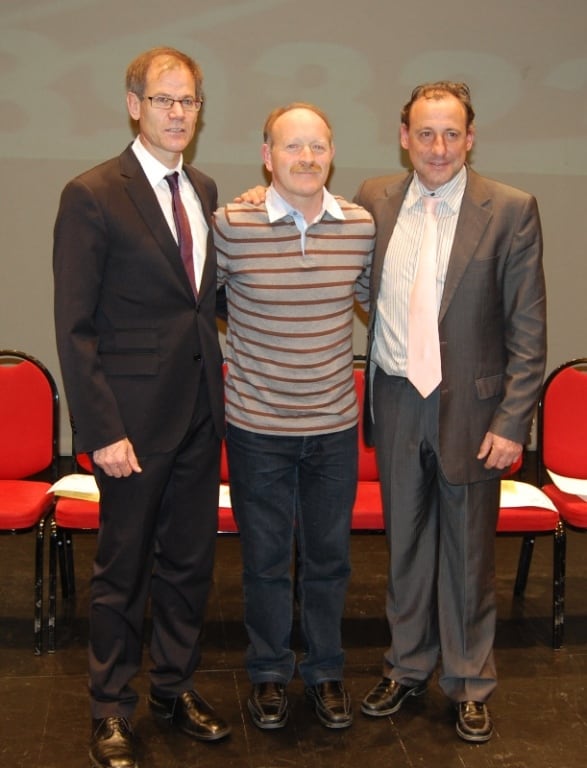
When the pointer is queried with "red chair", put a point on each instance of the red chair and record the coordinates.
(562, 441)
(69, 515)
(368, 508)
(226, 521)
(526, 511)
(29, 404)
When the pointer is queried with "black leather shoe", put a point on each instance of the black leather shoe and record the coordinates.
(191, 714)
(332, 703)
(473, 721)
(112, 744)
(388, 696)
(268, 705)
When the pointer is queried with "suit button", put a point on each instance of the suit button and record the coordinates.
(197, 358)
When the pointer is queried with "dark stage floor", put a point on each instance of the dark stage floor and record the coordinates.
(539, 709)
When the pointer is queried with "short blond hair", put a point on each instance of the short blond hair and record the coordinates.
(136, 73)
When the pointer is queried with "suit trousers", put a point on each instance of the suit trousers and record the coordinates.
(441, 587)
(157, 538)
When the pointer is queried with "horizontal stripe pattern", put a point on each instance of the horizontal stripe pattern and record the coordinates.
(289, 339)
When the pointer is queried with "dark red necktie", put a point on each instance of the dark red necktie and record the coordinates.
(184, 233)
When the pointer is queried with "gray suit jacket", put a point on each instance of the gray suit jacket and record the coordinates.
(132, 340)
(492, 320)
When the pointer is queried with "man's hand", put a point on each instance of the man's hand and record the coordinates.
(499, 452)
(117, 459)
(255, 195)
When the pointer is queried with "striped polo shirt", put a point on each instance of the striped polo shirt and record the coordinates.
(290, 315)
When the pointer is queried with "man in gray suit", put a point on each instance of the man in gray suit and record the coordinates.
(142, 368)
(441, 454)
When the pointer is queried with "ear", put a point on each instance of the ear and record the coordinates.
(133, 104)
(470, 137)
(403, 135)
(266, 153)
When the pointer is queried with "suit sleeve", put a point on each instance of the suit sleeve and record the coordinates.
(79, 255)
(524, 307)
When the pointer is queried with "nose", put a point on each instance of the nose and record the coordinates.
(439, 144)
(307, 153)
(177, 109)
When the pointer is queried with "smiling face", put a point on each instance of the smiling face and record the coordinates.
(165, 133)
(437, 139)
(298, 153)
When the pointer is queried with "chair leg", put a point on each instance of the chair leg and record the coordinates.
(64, 547)
(38, 589)
(69, 565)
(52, 587)
(558, 585)
(526, 552)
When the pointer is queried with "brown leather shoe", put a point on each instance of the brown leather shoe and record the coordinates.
(191, 714)
(112, 744)
(268, 705)
(332, 703)
(388, 696)
(474, 721)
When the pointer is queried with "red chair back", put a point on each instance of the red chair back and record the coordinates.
(28, 415)
(564, 421)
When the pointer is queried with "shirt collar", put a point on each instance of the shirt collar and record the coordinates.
(154, 170)
(450, 193)
(278, 208)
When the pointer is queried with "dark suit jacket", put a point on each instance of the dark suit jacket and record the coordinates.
(492, 320)
(132, 340)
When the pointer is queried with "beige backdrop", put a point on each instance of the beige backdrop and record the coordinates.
(62, 65)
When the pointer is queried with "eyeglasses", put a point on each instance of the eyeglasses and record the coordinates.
(189, 104)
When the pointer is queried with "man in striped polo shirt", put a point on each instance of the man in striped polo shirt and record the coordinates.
(292, 267)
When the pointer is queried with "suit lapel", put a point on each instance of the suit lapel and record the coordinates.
(143, 197)
(385, 211)
(474, 217)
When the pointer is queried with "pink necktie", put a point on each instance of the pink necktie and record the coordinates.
(184, 233)
(423, 345)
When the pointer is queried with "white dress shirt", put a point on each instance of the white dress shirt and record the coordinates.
(156, 173)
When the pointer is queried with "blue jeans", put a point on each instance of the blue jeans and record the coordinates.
(285, 489)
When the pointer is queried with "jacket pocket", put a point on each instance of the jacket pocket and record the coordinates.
(489, 386)
(130, 352)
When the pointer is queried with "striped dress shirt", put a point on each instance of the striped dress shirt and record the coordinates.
(390, 339)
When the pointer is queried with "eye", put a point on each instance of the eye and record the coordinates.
(188, 102)
(318, 149)
(162, 101)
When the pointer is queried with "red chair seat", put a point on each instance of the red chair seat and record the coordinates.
(368, 507)
(23, 503)
(226, 521)
(526, 519)
(572, 508)
(77, 513)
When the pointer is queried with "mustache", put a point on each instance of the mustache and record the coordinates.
(306, 167)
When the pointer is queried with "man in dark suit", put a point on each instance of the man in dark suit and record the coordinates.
(441, 453)
(142, 369)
